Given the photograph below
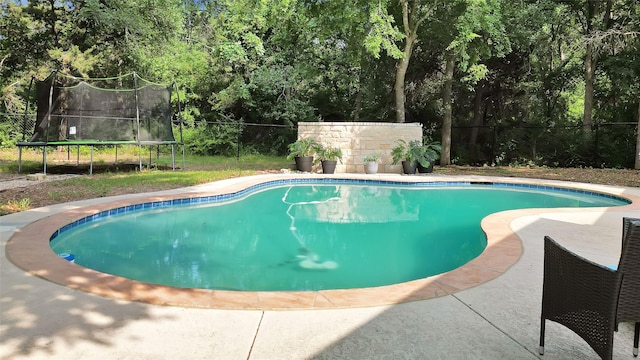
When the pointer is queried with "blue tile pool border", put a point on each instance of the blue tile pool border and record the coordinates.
(153, 205)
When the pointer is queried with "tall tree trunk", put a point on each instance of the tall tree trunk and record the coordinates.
(358, 104)
(594, 9)
(358, 100)
(445, 155)
(410, 25)
(589, 77)
(53, 19)
(637, 165)
(401, 73)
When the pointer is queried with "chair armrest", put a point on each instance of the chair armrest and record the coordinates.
(580, 294)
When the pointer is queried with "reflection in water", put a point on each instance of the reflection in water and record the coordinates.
(351, 204)
(307, 259)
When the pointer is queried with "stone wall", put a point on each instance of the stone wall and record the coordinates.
(359, 139)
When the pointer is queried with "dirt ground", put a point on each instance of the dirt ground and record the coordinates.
(617, 177)
(39, 192)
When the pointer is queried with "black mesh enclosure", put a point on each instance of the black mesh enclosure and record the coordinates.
(126, 108)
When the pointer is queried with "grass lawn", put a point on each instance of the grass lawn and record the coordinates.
(110, 178)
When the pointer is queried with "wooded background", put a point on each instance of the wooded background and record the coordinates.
(500, 82)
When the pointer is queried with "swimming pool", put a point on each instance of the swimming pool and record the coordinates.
(302, 234)
(29, 246)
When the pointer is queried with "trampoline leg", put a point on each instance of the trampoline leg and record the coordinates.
(44, 160)
(77, 155)
(91, 161)
(140, 157)
(19, 159)
(173, 156)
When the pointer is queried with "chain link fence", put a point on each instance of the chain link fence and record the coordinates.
(15, 128)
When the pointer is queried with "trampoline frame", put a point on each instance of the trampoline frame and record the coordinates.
(92, 144)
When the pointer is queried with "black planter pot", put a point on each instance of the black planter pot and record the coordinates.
(329, 166)
(409, 167)
(425, 170)
(304, 163)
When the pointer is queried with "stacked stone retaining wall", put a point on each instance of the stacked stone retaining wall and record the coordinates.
(359, 139)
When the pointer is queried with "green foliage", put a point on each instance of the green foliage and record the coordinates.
(212, 139)
(431, 152)
(414, 150)
(480, 34)
(328, 153)
(8, 136)
(383, 34)
(405, 151)
(302, 147)
(574, 99)
(14, 206)
(278, 62)
(375, 157)
(277, 95)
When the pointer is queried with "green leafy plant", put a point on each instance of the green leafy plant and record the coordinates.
(415, 151)
(400, 152)
(302, 147)
(406, 151)
(329, 153)
(211, 138)
(432, 150)
(371, 158)
(14, 206)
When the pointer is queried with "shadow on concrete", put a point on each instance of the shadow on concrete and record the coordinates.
(499, 319)
(39, 317)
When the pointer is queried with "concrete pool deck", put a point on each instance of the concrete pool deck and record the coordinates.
(494, 319)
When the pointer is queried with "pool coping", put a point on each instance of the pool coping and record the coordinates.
(29, 249)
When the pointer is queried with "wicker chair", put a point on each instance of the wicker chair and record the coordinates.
(629, 265)
(588, 298)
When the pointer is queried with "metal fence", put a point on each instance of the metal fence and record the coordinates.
(604, 145)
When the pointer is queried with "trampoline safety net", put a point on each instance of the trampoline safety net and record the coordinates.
(126, 108)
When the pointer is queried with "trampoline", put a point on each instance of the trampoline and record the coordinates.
(123, 110)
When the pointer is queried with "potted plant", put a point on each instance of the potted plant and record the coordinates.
(371, 163)
(329, 157)
(431, 155)
(302, 151)
(410, 154)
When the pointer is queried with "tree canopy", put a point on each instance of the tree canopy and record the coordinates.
(496, 81)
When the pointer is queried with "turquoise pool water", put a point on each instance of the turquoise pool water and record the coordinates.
(303, 236)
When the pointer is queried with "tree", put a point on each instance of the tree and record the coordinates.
(414, 13)
(385, 35)
(338, 60)
(479, 33)
(597, 15)
(447, 64)
(611, 39)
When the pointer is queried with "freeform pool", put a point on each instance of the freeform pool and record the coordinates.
(304, 235)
